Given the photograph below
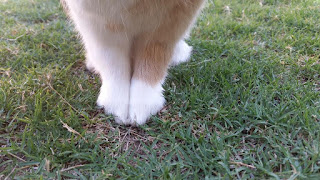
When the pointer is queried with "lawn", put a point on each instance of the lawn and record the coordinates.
(247, 105)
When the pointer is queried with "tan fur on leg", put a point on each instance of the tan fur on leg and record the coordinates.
(152, 51)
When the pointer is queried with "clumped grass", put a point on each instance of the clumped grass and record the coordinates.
(246, 106)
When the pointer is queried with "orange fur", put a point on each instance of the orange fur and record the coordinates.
(154, 49)
(115, 28)
(151, 61)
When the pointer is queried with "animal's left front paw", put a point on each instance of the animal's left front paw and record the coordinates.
(145, 101)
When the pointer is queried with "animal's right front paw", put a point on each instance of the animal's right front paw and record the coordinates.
(116, 103)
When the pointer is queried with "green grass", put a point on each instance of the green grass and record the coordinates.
(247, 106)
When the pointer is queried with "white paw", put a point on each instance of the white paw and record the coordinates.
(182, 53)
(145, 100)
(90, 65)
(116, 102)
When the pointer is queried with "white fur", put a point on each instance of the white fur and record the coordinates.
(145, 100)
(89, 65)
(182, 53)
(114, 69)
(108, 55)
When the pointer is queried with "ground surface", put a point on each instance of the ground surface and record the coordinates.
(246, 106)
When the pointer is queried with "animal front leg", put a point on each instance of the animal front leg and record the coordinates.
(113, 65)
(149, 71)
